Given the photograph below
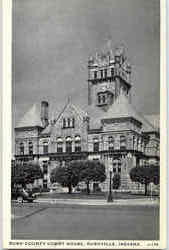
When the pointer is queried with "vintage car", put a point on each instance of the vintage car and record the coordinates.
(21, 195)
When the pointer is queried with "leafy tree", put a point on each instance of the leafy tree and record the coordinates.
(116, 181)
(25, 173)
(145, 175)
(68, 176)
(92, 171)
(76, 171)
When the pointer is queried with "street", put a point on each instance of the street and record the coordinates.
(57, 221)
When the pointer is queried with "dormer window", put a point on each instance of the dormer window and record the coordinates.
(68, 122)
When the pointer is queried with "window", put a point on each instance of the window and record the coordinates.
(122, 142)
(119, 166)
(59, 145)
(116, 166)
(64, 123)
(73, 122)
(45, 167)
(105, 73)
(95, 74)
(112, 72)
(21, 148)
(111, 143)
(77, 144)
(45, 147)
(68, 144)
(102, 98)
(30, 146)
(101, 73)
(68, 122)
(96, 145)
(99, 99)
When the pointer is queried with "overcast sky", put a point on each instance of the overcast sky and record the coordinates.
(52, 40)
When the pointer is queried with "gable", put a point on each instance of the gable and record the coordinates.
(71, 120)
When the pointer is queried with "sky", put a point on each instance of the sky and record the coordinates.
(53, 39)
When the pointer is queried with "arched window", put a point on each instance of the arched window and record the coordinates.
(30, 146)
(21, 146)
(111, 143)
(45, 147)
(77, 143)
(68, 144)
(59, 145)
(95, 145)
(122, 142)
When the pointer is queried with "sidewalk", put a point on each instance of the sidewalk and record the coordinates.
(95, 202)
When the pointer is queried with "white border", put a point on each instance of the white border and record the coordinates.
(7, 144)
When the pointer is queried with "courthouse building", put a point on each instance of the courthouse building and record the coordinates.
(109, 130)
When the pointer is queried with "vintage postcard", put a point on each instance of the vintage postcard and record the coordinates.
(84, 124)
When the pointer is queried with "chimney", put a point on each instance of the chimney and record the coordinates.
(44, 113)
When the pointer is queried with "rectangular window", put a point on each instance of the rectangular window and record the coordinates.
(112, 72)
(101, 73)
(68, 147)
(45, 149)
(59, 149)
(105, 73)
(96, 146)
(95, 74)
(77, 148)
(45, 168)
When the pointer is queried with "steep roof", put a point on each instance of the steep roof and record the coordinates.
(31, 118)
(77, 110)
(54, 120)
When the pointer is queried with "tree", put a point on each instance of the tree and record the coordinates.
(92, 171)
(25, 173)
(116, 181)
(68, 176)
(145, 175)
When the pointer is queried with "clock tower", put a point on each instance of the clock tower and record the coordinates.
(109, 74)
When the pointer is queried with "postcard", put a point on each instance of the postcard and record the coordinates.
(84, 124)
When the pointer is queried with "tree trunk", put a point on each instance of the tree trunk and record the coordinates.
(88, 188)
(145, 189)
(70, 189)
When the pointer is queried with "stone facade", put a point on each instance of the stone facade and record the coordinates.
(110, 130)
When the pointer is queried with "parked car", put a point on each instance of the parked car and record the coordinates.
(21, 195)
(56, 187)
